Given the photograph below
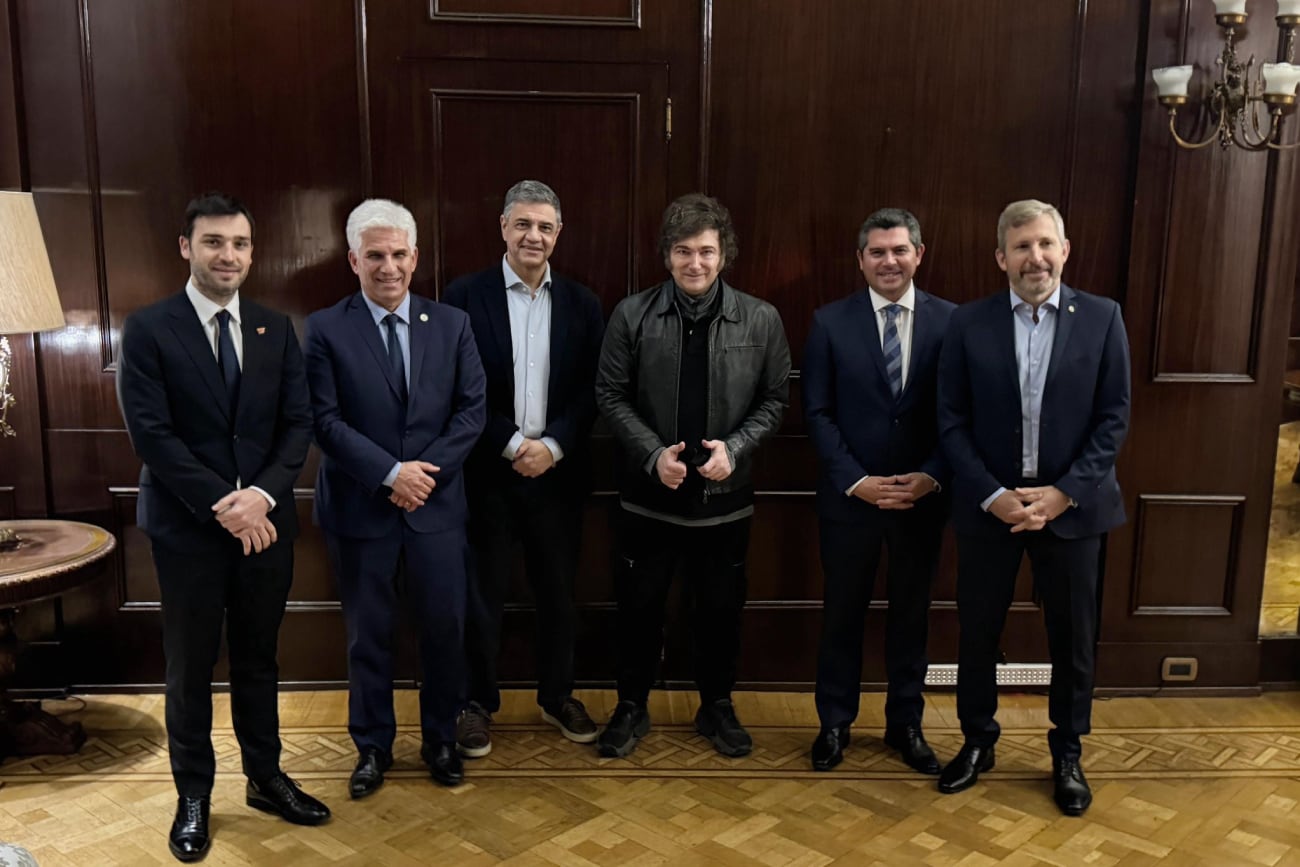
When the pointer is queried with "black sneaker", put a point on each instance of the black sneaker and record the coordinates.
(628, 724)
(474, 732)
(717, 721)
(571, 718)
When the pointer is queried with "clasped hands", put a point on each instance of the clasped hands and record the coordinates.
(894, 492)
(243, 514)
(413, 485)
(532, 458)
(1029, 508)
(672, 470)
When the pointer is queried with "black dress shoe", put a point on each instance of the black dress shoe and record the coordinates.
(912, 748)
(281, 795)
(189, 838)
(962, 772)
(828, 749)
(368, 775)
(1071, 794)
(444, 763)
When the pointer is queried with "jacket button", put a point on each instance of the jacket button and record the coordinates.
(236, 437)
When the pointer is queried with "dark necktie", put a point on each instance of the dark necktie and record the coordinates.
(227, 360)
(395, 362)
(893, 350)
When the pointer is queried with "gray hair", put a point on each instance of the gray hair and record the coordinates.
(1024, 211)
(535, 192)
(891, 218)
(379, 214)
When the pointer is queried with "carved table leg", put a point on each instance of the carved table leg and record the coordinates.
(25, 729)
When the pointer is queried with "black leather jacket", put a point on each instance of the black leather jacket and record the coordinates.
(749, 373)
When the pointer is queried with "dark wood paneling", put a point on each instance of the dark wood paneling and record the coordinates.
(802, 118)
(806, 142)
(1186, 554)
(604, 177)
(12, 141)
(595, 13)
(1211, 275)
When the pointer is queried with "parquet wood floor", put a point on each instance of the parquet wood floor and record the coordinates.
(1176, 781)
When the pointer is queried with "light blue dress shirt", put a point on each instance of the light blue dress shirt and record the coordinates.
(1034, 339)
(403, 312)
(530, 345)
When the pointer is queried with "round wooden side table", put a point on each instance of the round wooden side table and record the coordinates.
(51, 558)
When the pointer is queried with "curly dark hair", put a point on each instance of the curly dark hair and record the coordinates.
(692, 214)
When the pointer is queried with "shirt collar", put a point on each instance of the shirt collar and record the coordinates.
(907, 300)
(514, 281)
(1052, 303)
(206, 308)
(403, 310)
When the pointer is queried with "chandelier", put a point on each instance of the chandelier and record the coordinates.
(1237, 95)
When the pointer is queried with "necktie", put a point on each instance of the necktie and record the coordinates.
(893, 350)
(227, 360)
(395, 362)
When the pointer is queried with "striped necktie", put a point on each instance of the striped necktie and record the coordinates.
(893, 350)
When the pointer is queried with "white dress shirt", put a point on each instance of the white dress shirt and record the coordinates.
(207, 309)
(530, 347)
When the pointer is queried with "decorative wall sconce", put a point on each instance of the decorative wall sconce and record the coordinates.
(1235, 97)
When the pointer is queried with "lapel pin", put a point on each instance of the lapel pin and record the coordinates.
(424, 317)
(1070, 308)
(261, 330)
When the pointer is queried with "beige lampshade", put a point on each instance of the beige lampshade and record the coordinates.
(28, 299)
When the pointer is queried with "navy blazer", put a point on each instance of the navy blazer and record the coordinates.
(1084, 417)
(177, 413)
(856, 424)
(577, 327)
(363, 428)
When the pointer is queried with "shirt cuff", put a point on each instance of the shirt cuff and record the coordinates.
(269, 499)
(556, 451)
(392, 475)
(848, 492)
(938, 488)
(988, 501)
(512, 447)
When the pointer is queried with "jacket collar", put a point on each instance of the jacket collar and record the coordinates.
(729, 309)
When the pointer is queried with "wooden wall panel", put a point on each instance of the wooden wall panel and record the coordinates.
(1211, 276)
(592, 13)
(1186, 554)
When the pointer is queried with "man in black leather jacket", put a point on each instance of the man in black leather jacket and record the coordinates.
(693, 374)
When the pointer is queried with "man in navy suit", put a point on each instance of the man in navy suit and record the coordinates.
(869, 394)
(1033, 408)
(538, 336)
(398, 398)
(212, 390)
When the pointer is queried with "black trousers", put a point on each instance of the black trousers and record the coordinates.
(422, 574)
(1065, 580)
(549, 528)
(712, 560)
(199, 591)
(850, 555)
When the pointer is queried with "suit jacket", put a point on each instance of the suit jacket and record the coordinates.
(177, 413)
(577, 327)
(856, 424)
(1084, 417)
(363, 428)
